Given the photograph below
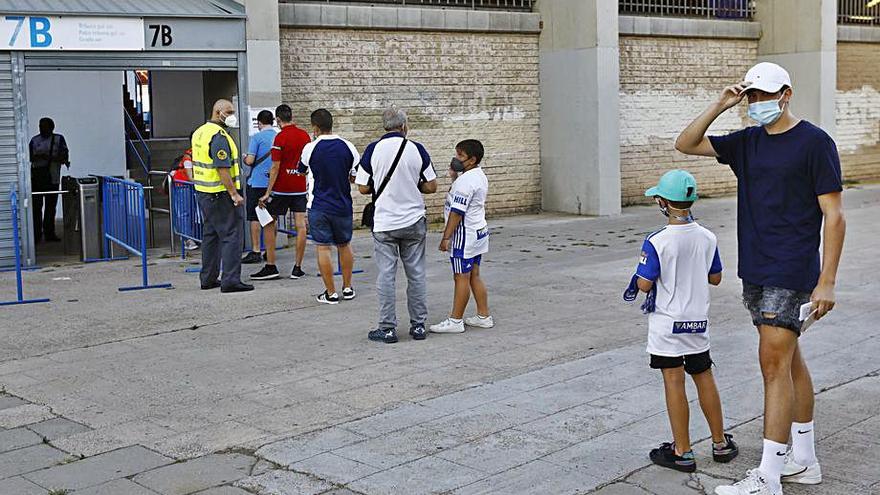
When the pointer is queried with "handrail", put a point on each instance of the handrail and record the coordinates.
(129, 124)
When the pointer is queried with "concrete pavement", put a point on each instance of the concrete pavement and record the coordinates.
(270, 392)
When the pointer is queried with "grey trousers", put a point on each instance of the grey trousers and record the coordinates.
(221, 239)
(408, 245)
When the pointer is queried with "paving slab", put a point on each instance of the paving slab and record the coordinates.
(284, 483)
(30, 459)
(99, 469)
(17, 438)
(24, 414)
(424, 476)
(224, 490)
(117, 487)
(56, 428)
(334, 468)
(197, 474)
(20, 486)
(534, 477)
(7, 401)
(289, 451)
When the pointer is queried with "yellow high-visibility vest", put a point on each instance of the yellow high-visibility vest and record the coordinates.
(205, 174)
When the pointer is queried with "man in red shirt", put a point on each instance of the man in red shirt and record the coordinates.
(286, 192)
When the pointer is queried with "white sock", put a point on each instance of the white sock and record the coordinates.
(772, 461)
(455, 320)
(803, 443)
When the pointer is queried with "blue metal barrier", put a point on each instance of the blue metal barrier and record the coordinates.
(186, 219)
(16, 242)
(125, 223)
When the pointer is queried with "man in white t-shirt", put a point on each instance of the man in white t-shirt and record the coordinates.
(466, 237)
(677, 265)
(399, 225)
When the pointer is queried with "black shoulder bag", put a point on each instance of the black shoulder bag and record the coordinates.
(370, 209)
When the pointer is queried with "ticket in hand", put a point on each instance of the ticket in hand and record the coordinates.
(807, 316)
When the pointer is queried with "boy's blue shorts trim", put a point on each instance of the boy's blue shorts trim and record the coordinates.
(464, 265)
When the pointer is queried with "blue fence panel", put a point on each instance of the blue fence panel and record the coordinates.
(16, 242)
(125, 223)
(186, 219)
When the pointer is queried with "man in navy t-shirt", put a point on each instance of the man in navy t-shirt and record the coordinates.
(331, 161)
(788, 183)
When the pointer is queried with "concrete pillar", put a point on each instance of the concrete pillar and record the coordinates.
(580, 135)
(263, 53)
(801, 35)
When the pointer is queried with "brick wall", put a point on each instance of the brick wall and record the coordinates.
(858, 110)
(453, 86)
(664, 84)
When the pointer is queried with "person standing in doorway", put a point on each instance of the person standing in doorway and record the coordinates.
(217, 182)
(259, 158)
(788, 185)
(48, 151)
(287, 191)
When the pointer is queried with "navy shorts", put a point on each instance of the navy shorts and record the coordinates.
(784, 305)
(465, 265)
(253, 200)
(330, 230)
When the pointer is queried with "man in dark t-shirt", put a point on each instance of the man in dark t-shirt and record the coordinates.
(788, 184)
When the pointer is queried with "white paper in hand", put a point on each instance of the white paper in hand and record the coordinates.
(807, 316)
(264, 216)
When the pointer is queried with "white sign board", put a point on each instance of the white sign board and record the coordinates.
(253, 128)
(20, 32)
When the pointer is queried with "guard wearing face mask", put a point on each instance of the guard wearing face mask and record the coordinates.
(789, 194)
(217, 183)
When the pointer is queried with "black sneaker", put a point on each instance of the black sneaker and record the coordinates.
(665, 456)
(297, 272)
(326, 298)
(269, 272)
(418, 332)
(251, 258)
(727, 452)
(389, 336)
(348, 293)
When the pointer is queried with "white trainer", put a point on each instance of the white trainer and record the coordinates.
(754, 484)
(448, 326)
(792, 472)
(480, 321)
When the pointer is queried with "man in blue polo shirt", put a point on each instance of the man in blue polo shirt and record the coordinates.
(331, 160)
(788, 185)
(259, 158)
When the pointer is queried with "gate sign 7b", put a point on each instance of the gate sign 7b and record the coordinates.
(20, 32)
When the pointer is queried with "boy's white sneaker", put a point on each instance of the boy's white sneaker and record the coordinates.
(480, 321)
(792, 472)
(448, 326)
(754, 484)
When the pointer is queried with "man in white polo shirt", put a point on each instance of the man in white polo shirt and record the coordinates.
(399, 224)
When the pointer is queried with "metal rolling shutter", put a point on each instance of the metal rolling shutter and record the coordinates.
(8, 159)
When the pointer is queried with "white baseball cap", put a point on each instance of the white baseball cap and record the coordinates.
(768, 77)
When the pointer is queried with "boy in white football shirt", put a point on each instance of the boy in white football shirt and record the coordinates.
(677, 264)
(466, 236)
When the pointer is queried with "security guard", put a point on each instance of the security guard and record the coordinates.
(216, 178)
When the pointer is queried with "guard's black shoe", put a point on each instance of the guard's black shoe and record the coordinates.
(665, 456)
(269, 272)
(252, 258)
(387, 335)
(727, 452)
(212, 285)
(418, 332)
(240, 287)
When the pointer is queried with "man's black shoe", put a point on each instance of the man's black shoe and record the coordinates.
(212, 285)
(297, 272)
(665, 456)
(251, 258)
(240, 287)
(269, 272)
(418, 332)
(727, 452)
(387, 335)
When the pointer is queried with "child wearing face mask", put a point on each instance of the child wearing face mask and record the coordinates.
(466, 238)
(676, 267)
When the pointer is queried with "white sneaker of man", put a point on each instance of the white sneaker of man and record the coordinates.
(480, 321)
(448, 326)
(792, 472)
(754, 484)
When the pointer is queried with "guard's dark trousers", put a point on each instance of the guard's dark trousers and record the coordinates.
(44, 219)
(221, 238)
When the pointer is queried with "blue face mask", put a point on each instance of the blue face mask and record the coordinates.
(765, 112)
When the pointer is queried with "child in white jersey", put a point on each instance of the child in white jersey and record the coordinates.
(677, 264)
(466, 237)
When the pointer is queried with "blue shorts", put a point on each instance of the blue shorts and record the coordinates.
(465, 265)
(329, 230)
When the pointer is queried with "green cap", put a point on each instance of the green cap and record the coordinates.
(675, 185)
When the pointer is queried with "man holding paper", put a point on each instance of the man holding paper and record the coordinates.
(789, 183)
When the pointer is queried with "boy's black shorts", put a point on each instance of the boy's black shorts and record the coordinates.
(694, 364)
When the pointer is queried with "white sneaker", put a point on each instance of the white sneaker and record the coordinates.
(448, 326)
(480, 321)
(190, 245)
(793, 472)
(754, 484)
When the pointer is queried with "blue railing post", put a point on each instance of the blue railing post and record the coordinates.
(16, 243)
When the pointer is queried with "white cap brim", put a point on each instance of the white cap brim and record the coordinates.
(766, 86)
